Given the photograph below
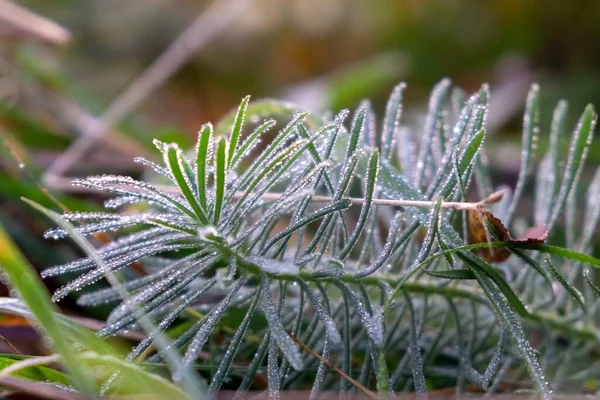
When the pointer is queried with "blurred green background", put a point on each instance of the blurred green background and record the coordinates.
(324, 55)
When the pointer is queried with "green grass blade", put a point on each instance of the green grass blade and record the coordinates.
(458, 101)
(282, 165)
(344, 180)
(373, 323)
(132, 379)
(369, 133)
(25, 280)
(449, 257)
(386, 251)
(74, 332)
(482, 175)
(322, 312)
(544, 191)
(571, 255)
(346, 385)
(34, 373)
(418, 263)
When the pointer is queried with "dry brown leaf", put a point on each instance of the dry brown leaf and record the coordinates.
(480, 218)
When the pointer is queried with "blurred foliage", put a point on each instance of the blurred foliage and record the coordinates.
(280, 44)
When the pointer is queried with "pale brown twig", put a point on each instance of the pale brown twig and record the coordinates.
(210, 23)
(332, 366)
(32, 23)
(9, 344)
(492, 198)
(65, 185)
(87, 124)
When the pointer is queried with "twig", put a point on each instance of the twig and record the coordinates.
(332, 366)
(89, 124)
(9, 344)
(492, 198)
(65, 185)
(209, 24)
(32, 23)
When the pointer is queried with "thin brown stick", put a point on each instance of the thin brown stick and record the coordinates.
(65, 185)
(9, 344)
(32, 23)
(88, 124)
(207, 26)
(491, 199)
(329, 365)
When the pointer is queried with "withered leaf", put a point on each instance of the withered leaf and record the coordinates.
(479, 220)
(485, 227)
